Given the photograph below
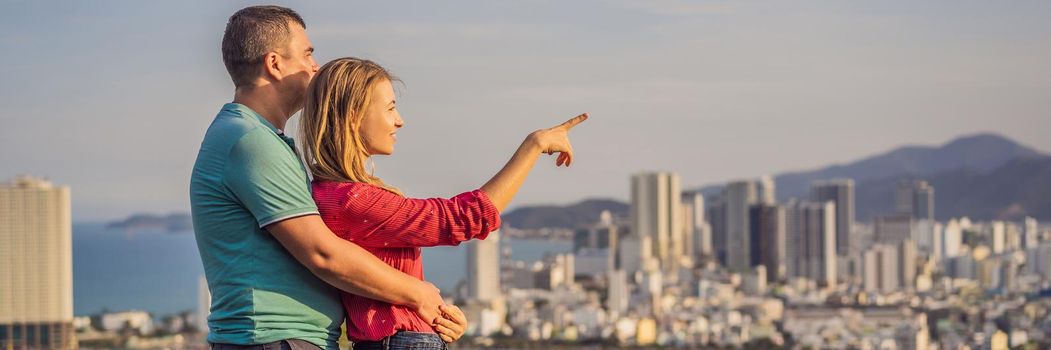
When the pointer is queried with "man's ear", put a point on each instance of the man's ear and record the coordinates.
(272, 66)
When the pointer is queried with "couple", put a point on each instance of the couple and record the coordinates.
(288, 260)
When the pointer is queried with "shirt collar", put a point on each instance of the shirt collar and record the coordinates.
(237, 107)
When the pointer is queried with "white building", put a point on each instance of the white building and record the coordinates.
(952, 238)
(36, 275)
(998, 236)
(1031, 236)
(618, 293)
(204, 305)
(655, 212)
(483, 268)
(881, 271)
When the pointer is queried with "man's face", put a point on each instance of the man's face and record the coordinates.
(299, 58)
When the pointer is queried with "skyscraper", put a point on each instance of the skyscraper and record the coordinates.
(810, 244)
(916, 198)
(601, 235)
(655, 211)
(716, 211)
(738, 197)
(483, 268)
(892, 229)
(698, 241)
(768, 239)
(952, 239)
(880, 267)
(617, 292)
(36, 267)
(998, 236)
(840, 192)
(204, 305)
(766, 190)
(1030, 237)
(907, 264)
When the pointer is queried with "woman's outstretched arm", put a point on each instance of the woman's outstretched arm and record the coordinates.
(373, 217)
(505, 184)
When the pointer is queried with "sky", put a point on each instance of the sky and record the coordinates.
(113, 98)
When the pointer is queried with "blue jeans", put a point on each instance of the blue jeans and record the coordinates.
(404, 340)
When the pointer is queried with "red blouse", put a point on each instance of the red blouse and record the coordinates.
(394, 228)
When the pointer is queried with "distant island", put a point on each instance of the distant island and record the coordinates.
(173, 223)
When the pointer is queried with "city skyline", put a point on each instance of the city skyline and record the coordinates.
(689, 79)
(792, 249)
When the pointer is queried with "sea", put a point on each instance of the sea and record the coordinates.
(158, 271)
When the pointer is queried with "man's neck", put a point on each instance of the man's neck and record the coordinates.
(266, 102)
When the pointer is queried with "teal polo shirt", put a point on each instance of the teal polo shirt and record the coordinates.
(247, 176)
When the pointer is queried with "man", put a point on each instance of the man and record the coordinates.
(267, 255)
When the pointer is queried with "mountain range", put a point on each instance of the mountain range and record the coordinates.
(983, 176)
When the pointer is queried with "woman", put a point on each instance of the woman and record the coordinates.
(350, 115)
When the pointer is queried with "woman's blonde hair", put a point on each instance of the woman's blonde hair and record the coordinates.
(335, 105)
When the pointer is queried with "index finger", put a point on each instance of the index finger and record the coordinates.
(569, 124)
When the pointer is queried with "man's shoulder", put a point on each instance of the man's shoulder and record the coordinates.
(230, 125)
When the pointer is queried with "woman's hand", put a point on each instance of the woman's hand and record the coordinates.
(452, 324)
(556, 139)
(505, 184)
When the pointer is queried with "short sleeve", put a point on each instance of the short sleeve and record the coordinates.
(265, 175)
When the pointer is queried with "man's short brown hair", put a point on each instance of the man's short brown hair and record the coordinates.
(250, 34)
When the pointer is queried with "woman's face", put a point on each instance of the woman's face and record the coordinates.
(381, 120)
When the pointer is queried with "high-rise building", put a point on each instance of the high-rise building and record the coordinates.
(698, 242)
(655, 211)
(1012, 237)
(881, 271)
(738, 197)
(840, 192)
(810, 243)
(483, 268)
(907, 264)
(618, 294)
(36, 266)
(716, 211)
(952, 239)
(1031, 238)
(768, 239)
(892, 229)
(634, 250)
(766, 190)
(916, 198)
(998, 236)
(603, 235)
(204, 305)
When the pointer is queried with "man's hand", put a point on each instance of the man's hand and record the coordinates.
(452, 324)
(428, 301)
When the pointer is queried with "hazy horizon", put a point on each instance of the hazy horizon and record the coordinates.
(113, 98)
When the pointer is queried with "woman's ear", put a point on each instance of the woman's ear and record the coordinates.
(355, 123)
